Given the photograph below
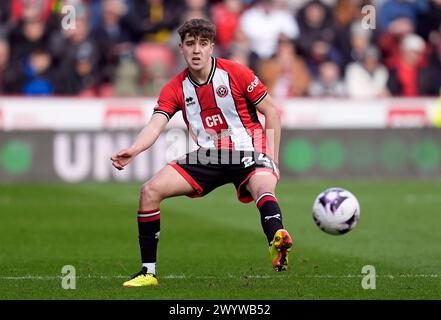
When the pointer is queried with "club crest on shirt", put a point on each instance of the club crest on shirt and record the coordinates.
(222, 91)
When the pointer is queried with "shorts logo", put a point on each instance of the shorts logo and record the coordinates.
(253, 84)
(222, 91)
(247, 161)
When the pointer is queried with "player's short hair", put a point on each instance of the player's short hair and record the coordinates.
(198, 28)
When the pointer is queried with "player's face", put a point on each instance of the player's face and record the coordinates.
(197, 52)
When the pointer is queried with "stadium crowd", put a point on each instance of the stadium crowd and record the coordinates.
(297, 47)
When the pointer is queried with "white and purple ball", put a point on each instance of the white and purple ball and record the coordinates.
(336, 211)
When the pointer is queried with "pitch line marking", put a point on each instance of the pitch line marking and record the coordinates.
(182, 276)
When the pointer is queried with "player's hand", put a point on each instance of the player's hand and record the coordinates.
(122, 158)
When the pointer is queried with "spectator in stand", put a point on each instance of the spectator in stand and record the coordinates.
(154, 20)
(285, 74)
(322, 51)
(317, 36)
(36, 10)
(360, 40)
(429, 21)
(391, 39)
(347, 11)
(225, 16)
(127, 78)
(80, 78)
(329, 82)
(296, 5)
(390, 10)
(316, 24)
(5, 21)
(248, 32)
(114, 27)
(193, 9)
(145, 72)
(26, 36)
(31, 9)
(7, 71)
(348, 19)
(239, 50)
(75, 43)
(262, 24)
(431, 74)
(406, 76)
(367, 78)
(5, 12)
(4, 59)
(113, 37)
(38, 77)
(157, 63)
(94, 8)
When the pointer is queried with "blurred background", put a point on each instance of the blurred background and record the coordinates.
(357, 81)
(299, 48)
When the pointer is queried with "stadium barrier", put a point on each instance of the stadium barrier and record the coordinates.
(67, 139)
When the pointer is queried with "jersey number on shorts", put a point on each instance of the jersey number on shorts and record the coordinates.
(263, 159)
(247, 161)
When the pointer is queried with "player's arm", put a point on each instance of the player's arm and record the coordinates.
(145, 139)
(268, 108)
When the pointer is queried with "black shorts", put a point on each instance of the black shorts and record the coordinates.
(207, 169)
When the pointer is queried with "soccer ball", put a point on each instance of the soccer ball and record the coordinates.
(336, 211)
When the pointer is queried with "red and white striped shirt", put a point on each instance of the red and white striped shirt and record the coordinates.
(220, 113)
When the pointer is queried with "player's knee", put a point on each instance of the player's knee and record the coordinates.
(256, 189)
(263, 190)
(150, 192)
(262, 183)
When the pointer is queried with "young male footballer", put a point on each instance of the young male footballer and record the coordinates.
(219, 100)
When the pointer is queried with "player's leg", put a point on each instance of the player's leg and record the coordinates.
(165, 184)
(262, 186)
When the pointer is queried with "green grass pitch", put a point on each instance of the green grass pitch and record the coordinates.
(214, 248)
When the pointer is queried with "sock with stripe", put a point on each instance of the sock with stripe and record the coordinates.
(151, 267)
(148, 235)
(270, 215)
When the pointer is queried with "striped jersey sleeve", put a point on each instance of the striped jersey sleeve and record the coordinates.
(249, 84)
(169, 101)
